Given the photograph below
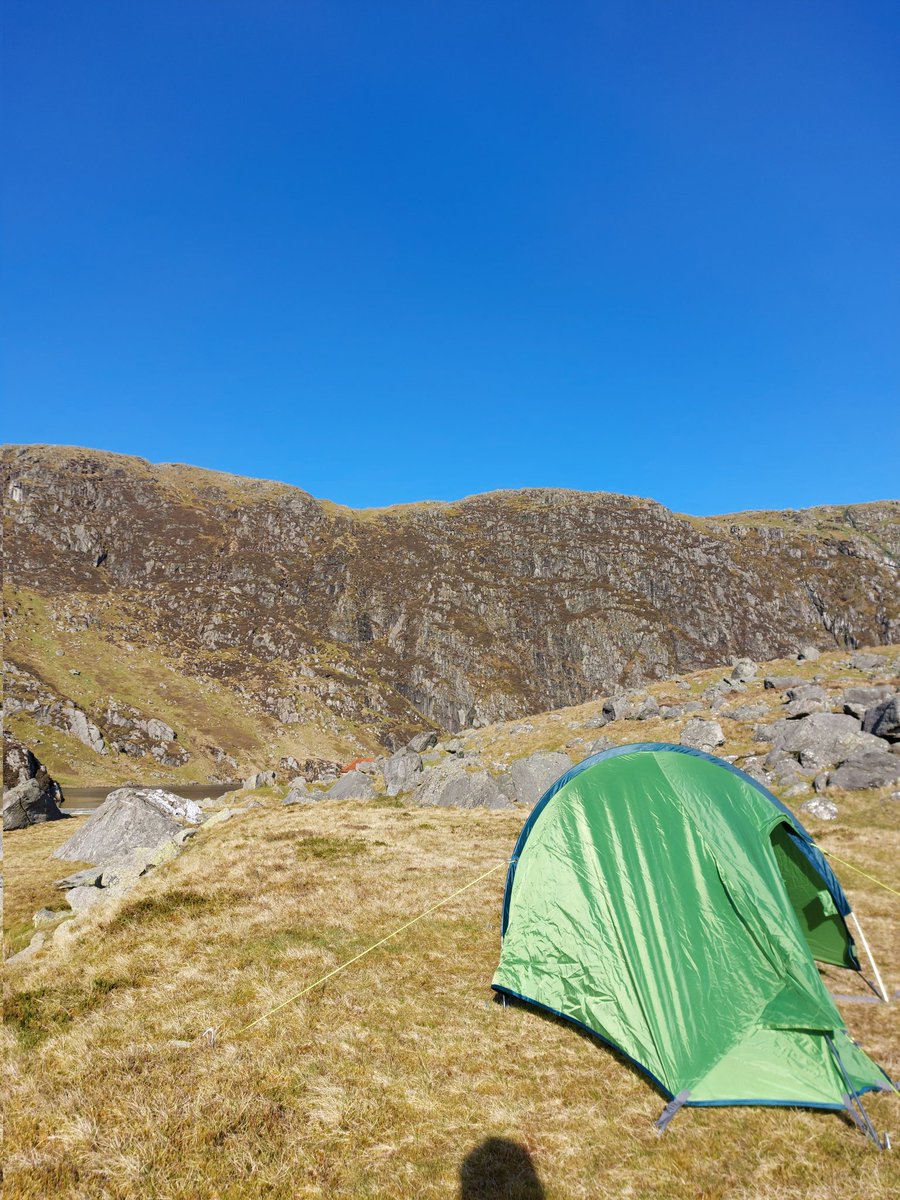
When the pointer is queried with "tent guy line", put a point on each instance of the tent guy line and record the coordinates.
(368, 950)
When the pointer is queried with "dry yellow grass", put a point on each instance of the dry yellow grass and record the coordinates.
(382, 1082)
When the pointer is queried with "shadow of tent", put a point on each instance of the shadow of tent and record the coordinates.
(499, 1169)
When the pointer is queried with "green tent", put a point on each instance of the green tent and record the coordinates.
(668, 903)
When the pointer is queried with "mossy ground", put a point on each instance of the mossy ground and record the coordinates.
(381, 1082)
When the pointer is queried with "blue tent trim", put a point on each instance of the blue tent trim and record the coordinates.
(801, 837)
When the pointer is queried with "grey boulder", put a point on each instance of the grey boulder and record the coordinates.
(866, 662)
(423, 741)
(702, 735)
(533, 775)
(401, 771)
(780, 683)
(128, 818)
(29, 803)
(259, 779)
(870, 769)
(450, 785)
(825, 810)
(883, 720)
(744, 670)
(808, 653)
(352, 785)
(806, 699)
(822, 739)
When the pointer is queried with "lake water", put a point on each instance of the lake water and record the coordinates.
(86, 799)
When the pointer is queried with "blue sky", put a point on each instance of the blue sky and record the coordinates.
(399, 250)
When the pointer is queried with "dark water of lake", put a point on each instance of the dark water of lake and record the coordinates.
(86, 799)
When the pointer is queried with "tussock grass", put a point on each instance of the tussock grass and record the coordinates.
(395, 1078)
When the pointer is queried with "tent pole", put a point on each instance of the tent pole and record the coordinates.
(868, 950)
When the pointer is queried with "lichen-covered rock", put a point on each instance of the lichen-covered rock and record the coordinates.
(352, 785)
(744, 670)
(423, 741)
(129, 818)
(451, 785)
(401, 772)
(533, 775)
(822, 739)
(702, 735)
(824, 810)
(781, 683)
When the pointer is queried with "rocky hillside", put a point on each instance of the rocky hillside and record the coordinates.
(171, 622)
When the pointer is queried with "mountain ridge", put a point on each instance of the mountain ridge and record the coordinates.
(334, 630)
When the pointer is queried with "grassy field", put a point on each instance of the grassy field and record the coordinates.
(398, 1078)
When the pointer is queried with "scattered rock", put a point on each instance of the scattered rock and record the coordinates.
(802, 701)
(620, 708)
(747, 712)
(28, 804)
(744, 670)
(128, 818)
(259, 780)
(47, 916)
(533, 775)
(30, 950)
(869, 769)
(702, 735)
(453, 746)
(649, 709)
(598, 746)
(781, 683)
(808, 653)
(400, 771)
(82, 898)
(352, 785)
(86, 878)
(866, 662)
(450, 785)
(822, 739)
(423, 741)
(883, 720)
(825, 810)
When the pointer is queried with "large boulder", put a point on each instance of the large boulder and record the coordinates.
(883, 720)
(27, 804)
(702, 735)
(780, 683)
(450, 785)
(401, 772)
(260, 779)
(533, 775)
(620, 708)
(806, 699)
(822, 739)
(868, 769)
(352, 785)
(744, 670)
(128, 818)
(423, 741)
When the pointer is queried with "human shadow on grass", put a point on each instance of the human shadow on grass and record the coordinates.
(499, 1169)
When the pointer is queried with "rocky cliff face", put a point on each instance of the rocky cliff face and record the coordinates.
(372, 623)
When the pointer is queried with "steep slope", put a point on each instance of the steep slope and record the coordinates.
(278, 623)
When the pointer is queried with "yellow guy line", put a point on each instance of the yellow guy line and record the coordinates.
(844, 863)
(369, 949)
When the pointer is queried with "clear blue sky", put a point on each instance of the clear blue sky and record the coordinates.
(395, 250)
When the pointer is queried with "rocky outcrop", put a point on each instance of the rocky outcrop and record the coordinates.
(489, 608)
(30, 795)
(127, 819)
(28, 804)
(532, 776)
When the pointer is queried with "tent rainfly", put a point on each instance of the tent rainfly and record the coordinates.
(668, 903)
